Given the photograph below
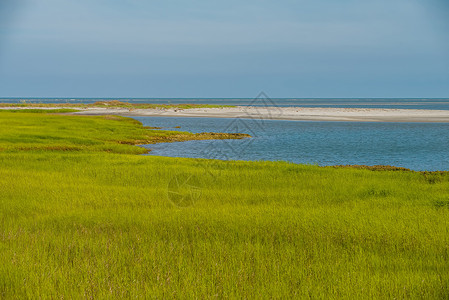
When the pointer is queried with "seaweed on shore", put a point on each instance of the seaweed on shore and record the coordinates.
(373, 168)
(430, 177)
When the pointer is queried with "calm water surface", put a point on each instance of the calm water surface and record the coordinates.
(418, 146)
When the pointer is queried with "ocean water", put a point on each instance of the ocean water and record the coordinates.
(440, 104)
(417, 146)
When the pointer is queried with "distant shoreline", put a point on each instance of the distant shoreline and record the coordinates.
(286, 113)
(276, 113)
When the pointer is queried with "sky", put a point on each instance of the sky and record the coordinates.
(224, 49)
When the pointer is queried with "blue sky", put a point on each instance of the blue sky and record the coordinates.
(196, 48)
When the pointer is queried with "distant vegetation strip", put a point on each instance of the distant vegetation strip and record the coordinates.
(114, 104)
(41, 111)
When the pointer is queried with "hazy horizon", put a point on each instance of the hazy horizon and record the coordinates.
(203, 49)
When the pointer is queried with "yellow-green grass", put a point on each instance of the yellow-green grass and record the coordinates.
(36, 131)
(92, 224)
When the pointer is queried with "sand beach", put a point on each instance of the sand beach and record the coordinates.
(285, 113)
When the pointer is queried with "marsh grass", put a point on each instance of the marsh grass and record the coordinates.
(36, 131)
(92, 224)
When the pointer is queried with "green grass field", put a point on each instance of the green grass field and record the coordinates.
(83, 216)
